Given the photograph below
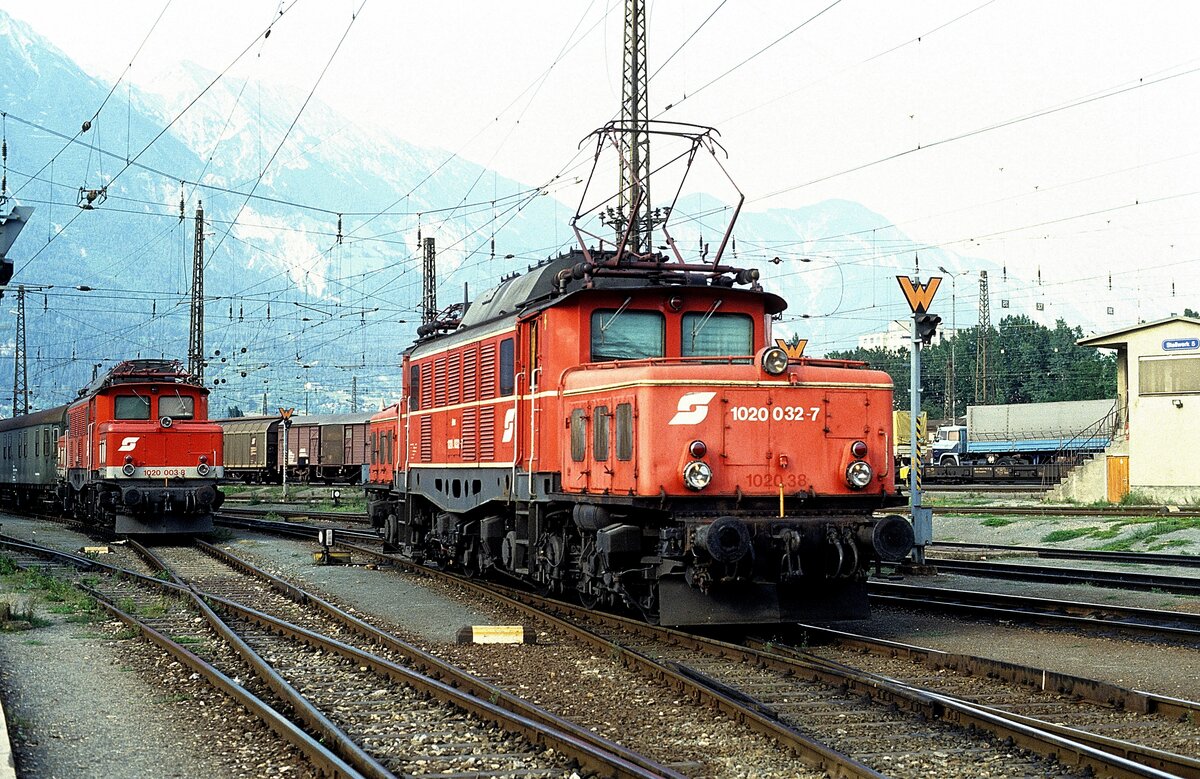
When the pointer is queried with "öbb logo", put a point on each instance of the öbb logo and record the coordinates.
(128, 444)
(693, 408)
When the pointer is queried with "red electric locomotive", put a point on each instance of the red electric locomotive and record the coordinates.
(622, 427)
(138, 454)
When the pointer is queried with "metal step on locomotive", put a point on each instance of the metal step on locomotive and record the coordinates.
(135, 453)
(619, 424)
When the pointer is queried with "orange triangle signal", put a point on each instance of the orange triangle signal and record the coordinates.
(793, 352)
(919, 295)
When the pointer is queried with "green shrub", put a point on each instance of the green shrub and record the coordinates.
(1057, 536)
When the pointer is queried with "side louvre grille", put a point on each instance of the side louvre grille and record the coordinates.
(487, 433)
(487, 372)
(426, 439)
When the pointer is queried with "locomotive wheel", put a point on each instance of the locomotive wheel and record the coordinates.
(391, 531)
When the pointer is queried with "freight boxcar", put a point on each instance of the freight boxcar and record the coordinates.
(251, 449)
(329, 448)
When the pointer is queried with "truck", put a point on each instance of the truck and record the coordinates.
(902, 436)
(1027, 433)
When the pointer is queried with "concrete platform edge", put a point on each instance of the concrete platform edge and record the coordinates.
(7, 768)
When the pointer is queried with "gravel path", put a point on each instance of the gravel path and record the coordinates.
(83, 700)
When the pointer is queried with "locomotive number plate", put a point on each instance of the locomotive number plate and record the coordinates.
(164, 473)
(775, 413)
(790, 480)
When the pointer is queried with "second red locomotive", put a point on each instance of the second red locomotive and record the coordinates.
(134, 454)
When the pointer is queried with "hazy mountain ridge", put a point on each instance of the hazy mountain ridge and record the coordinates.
(291, 307)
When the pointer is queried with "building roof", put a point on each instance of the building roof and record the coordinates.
(1120, 337)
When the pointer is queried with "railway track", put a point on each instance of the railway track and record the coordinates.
(379, 718)
(741, 687)
(1101, 714)
(1068, 511)
(1126, 580)
(1182, 627)
(1118, 558)
(824, 711)
(167, 616)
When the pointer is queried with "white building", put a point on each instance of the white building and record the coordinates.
(898, 336)
(1158, 382)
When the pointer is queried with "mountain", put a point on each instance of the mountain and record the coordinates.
(306, 306)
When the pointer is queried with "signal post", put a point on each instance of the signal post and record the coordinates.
(285, 414)
(924, 325)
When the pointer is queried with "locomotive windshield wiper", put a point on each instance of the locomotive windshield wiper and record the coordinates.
(604, 327)
(696, 328)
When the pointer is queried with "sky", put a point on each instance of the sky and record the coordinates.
(1059, 139)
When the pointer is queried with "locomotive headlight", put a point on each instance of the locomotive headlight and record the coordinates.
(858, 475)
(128, 469)
(697, 475)
(202, 469)
(774, 360)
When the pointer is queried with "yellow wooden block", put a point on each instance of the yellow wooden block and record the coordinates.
(496, 634)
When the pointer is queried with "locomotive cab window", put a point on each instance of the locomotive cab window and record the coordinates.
(627, 335)
(414, 387)
(712, 335)
(131, 407)
(177, 407)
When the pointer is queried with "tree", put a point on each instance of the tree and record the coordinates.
(1027, 363)
(1191, 313)
(233, 412)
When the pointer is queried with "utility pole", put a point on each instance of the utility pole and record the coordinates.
(634, 192)
(981, 341)
(354, 394)
(951, 367)
(20, 365)
(196, 332)
(429, 309)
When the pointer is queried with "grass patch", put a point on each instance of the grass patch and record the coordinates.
(220, 535)
(1171, 543)
(124, 634)
(36, 642)
(1058, 536)
(1148, 529)
(152, 610)
(1136, 498)
(7, 566)
(65, 597)
(997, 522)
(187, 640)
